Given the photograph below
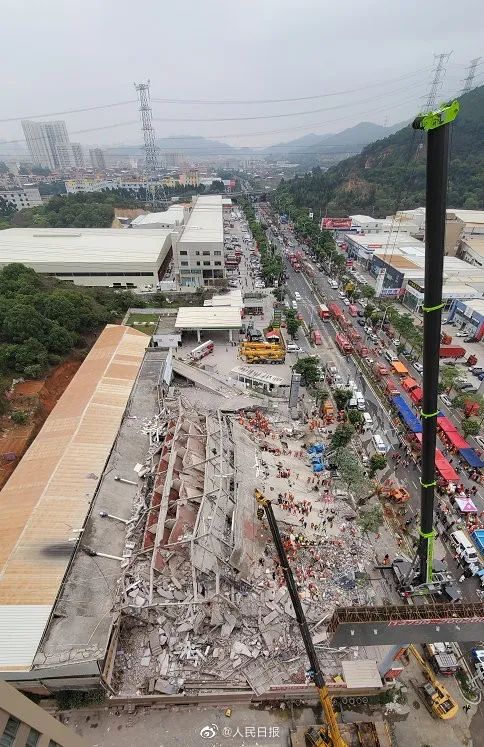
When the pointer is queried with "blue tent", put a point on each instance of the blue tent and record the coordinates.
(471, 457)
(407, 414)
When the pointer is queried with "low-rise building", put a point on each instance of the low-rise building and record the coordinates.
(468, 316)
(471, 249)
(22, 197)
(110, 257)
(199, 249)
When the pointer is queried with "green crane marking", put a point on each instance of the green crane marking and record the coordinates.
(432, 120)
(429, 537)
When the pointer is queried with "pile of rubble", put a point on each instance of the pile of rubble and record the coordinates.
(189, 618)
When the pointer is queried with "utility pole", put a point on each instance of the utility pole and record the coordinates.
(471, 74)
(436, 84)
(436, 125)
(151, 160)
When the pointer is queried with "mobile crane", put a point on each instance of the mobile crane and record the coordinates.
(328, 735)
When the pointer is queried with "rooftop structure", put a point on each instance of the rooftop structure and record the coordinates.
(208, 317)
(22, 197)
(110, 257)
(173, 216)
(57, 479)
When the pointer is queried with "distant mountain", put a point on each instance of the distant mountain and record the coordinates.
(304, 142)
(186, 145)
(390, 174)
(355, 138)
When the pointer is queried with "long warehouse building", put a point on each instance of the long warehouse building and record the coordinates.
(109, 257)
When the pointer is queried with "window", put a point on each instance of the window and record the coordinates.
(217, 254)
(217, 264)
(206, 264)
(197, 254)
(32, 738)
(206, 254)
(184, 264)
(184, 254)
(198, 264)
(9, 733)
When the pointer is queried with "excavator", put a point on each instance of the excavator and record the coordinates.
(389, 489)
(436, 697)
(328, 735)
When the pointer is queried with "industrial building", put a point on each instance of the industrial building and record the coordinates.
(22, 197)
(109, 257)
(174, 216)
(199, 249)
(468, 316)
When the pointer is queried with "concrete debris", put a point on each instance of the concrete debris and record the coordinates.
(207, 597)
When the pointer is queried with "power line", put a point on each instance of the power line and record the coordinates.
(70, 111)
(232, 102)
(284, 115)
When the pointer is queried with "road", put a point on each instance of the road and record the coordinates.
(348, 369)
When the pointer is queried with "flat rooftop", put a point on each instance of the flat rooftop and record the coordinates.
(476, 243)
(476, 305)
(48, 495)
(173, 216)
(205, 223)
(208, 317)
(54, 246)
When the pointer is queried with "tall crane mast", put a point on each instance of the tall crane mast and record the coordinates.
(329, 735)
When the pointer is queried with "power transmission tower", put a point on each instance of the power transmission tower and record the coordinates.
(471, 74)
(439, 73)
(151, 160)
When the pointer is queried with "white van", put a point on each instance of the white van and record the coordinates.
(464, 547)
(292, 347)
(294, 305)
(360, 400)
(379, 444)
(353, 403)
(367, 421)
(297, 296)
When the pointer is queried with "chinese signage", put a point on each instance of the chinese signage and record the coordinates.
(339, 223)
(210, 731)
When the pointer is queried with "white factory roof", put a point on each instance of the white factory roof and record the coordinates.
(208, 317)
(476, 304)
(468, 216)
(173, 216)
(385, 241)
(205, 223)
(475, 243)
(56, 246)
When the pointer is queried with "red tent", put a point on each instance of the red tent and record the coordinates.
(416, 395)
(452, 433)
(445, 469)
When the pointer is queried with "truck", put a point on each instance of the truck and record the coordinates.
(323, 312)
(361, 349)
(442, 658)
(451, 351)
(335, 311)
(391, 388)
(478, 539)
(316, 337)
(343, 344)
(380, 370)
(353, 309)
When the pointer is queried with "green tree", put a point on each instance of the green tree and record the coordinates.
(59, 340)
(31, 353)
(22, 322)
(367, 291)
(7, 209)
(342, 397)
(355, 417)
(377, 462)
(19, 417)
(292, 323)
(371, 519)
(470, 427)
(342, 435)
(350, 469)
(308, 368)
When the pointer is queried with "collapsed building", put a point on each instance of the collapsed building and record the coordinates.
(171, 583)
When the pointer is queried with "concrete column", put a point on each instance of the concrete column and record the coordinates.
(198, 335)
(230, 335)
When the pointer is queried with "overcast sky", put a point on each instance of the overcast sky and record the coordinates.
(67, 54)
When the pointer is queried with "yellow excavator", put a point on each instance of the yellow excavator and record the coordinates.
(328, 735)
(436, 697)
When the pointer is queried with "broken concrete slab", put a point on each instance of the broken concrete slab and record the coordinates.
(240, 649)
(163, 686)
(268, 619)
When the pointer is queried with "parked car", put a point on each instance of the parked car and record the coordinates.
(418, 366)
(361, 313)
(470, 339)
(460, 334)
(346, 301)
(361, 322)
(446, 400)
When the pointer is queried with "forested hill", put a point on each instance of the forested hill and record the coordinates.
(389, 174)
